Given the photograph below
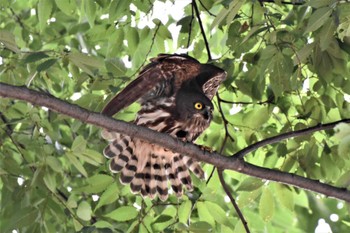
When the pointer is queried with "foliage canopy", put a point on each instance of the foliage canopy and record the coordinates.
(288, 69)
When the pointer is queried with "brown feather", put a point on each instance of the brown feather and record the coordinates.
(166, 87)
(163, 71)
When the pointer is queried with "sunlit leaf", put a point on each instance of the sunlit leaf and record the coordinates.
(184, 211)
(318, 18)
(123, 213)
(96, 184)
(266, 205)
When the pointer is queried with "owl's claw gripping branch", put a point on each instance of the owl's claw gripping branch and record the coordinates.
(175, 93)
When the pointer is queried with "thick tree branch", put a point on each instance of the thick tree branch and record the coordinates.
(232, 163)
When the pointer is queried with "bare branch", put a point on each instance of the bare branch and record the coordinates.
(232, 163)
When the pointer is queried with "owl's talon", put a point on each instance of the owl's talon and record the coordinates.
(206, 148)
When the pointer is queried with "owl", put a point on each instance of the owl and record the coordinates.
(175, 93)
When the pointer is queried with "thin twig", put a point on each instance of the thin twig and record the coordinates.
(234, 203)
(206, 9)
(149, 51)
(292, 134)
(295, 3)
(190, 28)
(202, 29)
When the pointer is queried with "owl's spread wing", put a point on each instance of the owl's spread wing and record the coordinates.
(166, 74)
(161, 69)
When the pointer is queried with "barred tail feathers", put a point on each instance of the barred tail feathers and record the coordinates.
(147, 172)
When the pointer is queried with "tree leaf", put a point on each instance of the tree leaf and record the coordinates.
(257, 117)
(250, 184)
(96, 184)
(184, 211)
(122, 214)
(117, 9)
(76, 163)
(9, 41)
(285, 196)
(66, 6)
(79, 144)
(116, 67)
(317, 19)
(110, 195)
(266, 205)
(33, 57)
(204, 214)
(217, 213)
(46, 65)
(200, 227)
(50, 182)
(326, 34)
(44, 12)
(84, 211)
(90, 11)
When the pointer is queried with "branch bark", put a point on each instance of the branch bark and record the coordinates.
(216, 159)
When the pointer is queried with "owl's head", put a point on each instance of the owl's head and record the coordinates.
(192, 103)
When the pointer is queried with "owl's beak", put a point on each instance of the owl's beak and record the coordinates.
(208, 113)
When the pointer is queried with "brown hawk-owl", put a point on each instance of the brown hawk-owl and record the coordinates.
(175, 93)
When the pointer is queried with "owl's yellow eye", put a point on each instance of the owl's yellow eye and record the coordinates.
(198, 105)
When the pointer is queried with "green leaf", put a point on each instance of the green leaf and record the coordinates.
(117, 9)
(76, 163)
(25, 219)
(85, 62)
(230, 13)
(303, 54)
(133, 39)
(110, 195)
(185, 211)
(46, 65)
(79, 144)
(200, 227)
(122, 214)
(50, 182)
(162, 222)
(257, 117)
(285, 196)
(90, 10)
(84, 211)
(44, 12)
(204, 214)
(116, 67)
(9, 41)
(92, 157)
(318, 18)
(54, 163)
(327, 33)
(96, 184)
(217, 213)
(233, 10)
(266, 205)
(250, 184)
(66, 6)
(33, 57)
